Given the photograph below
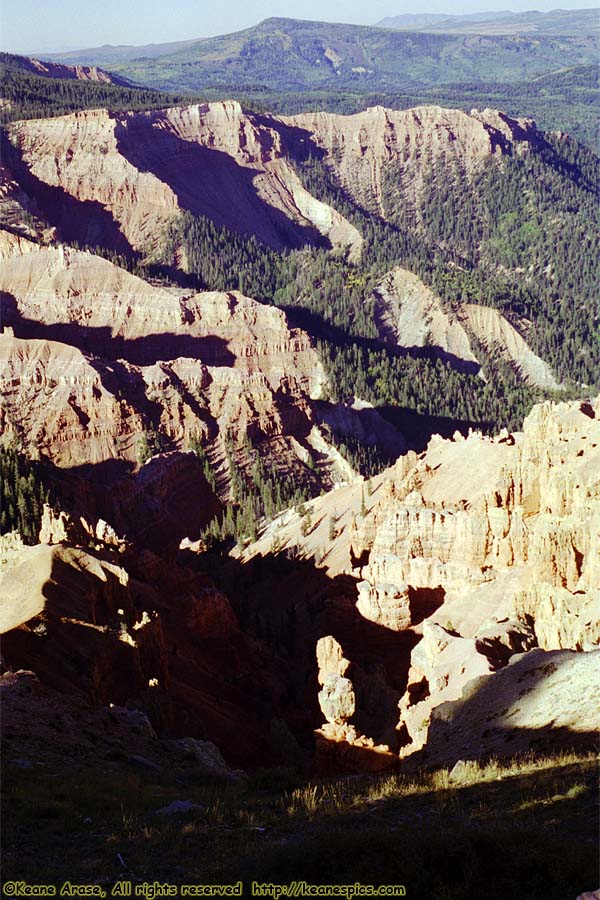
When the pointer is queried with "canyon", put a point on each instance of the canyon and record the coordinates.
(93, 359)
(300, 462)
(120, 179)
(480, 552)
(359, 629)
(126, 181)
(471, 565)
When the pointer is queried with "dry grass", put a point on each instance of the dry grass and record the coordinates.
(526, 828)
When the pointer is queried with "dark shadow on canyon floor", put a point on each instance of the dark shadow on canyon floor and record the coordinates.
(288, 604)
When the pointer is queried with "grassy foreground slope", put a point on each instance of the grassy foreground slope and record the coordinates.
(526, 830)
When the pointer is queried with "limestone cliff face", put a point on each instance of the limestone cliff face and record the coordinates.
(77, 73)
(93, 356)
(509, 530)
(480, 548)
(497, 335)
(54, 399)
(126, 176)
(365, 149)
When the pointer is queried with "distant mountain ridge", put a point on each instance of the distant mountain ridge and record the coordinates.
(290, 54)
(111, 53)
(415, 21)
(557, 21)
(46, 69)
(563, 100)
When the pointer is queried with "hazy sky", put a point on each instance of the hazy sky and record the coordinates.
(36, 25)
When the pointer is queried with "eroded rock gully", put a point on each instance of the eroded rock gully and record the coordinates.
(425, 632)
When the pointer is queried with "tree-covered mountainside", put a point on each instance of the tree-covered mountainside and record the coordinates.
(332, 299)
(27, 95)
(522, 237)
(513, 256)
(24, 489)
(290, 54)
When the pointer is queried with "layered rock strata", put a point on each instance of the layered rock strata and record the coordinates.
(120, 179)
(124, 177)
(366, 150)
(483, 549)
(71, 73)
(92, 357)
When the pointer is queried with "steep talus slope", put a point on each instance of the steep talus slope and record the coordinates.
(364, 149)
(410, 315)
(549, 699)
(482, 549)
(120, 179)
(497, 335)
(95, 356)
